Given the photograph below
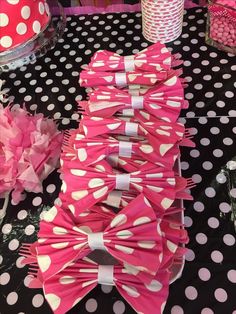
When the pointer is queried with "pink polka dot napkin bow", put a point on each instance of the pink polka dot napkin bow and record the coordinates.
(91, 150)
(71, 285)
(154, 58)
(164, 100)
(146, 248)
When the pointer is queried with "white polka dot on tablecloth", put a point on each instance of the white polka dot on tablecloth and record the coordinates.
(119, 307)
(198, 206)
(201, 238)
(37, 201)
(12, 298)
(19, 262)
(176, 309)
(184, 165)
(4, 279)
(51, 188)
(231, 275)
(217, 256)
(207, 310)
(225, 207)
(27, 280)
(7, 228)
(191, 293)
(29, 230)
(210, 192)
(229, 239)
(91, 305)
(37, 300)
(215, 130)
(213, 222)
(188, 221)
(13, 244)
(204, 274)
(220, 295)
(106, 288)
(190, 255)
(197, 178)
(207, 165)
(233, 192)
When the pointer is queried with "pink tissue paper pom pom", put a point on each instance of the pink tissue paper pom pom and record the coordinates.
(30, 147)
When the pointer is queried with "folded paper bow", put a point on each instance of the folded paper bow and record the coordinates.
(161, 135)
(164, 101)
(154, 58)
(133, 237)
(98, 148)
(91, 79)
(88, 185)
(68, 287)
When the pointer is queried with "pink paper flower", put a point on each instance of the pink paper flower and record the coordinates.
(29, 151)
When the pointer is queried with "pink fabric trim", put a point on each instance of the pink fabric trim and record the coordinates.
(114, 8)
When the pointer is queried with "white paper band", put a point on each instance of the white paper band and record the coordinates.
(131, 129)
(120, 79)
(95, 241)
(122, 181)
(114, 198)
(125, 149)
(129, 63)
(137, 102)
(106, 275)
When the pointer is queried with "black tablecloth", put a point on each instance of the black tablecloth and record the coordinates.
(51, 86)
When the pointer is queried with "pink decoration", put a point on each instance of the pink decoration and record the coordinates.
(164, 100)
(29, 150)
(154, 58)
(89, 185)
(68, 287)
(98, 148)
(121, 238)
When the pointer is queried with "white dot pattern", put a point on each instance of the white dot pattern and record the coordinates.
(47, 87)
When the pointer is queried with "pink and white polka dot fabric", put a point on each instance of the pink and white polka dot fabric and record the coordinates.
(71, 285)
(20, 20)
(164, 100)
(97, 148)
(119, 188)
(90, 78)
(154, 58)
(121, 238)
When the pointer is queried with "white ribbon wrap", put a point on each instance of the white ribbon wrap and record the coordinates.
(120, 79)
(125, 149)
(137, 102)
(129, 63)
(131, 129)
(95, 241)
(122, 181)
(106, 275)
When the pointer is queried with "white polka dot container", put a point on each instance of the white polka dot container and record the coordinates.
(21, 20)
(162, 20)
(26, 31)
